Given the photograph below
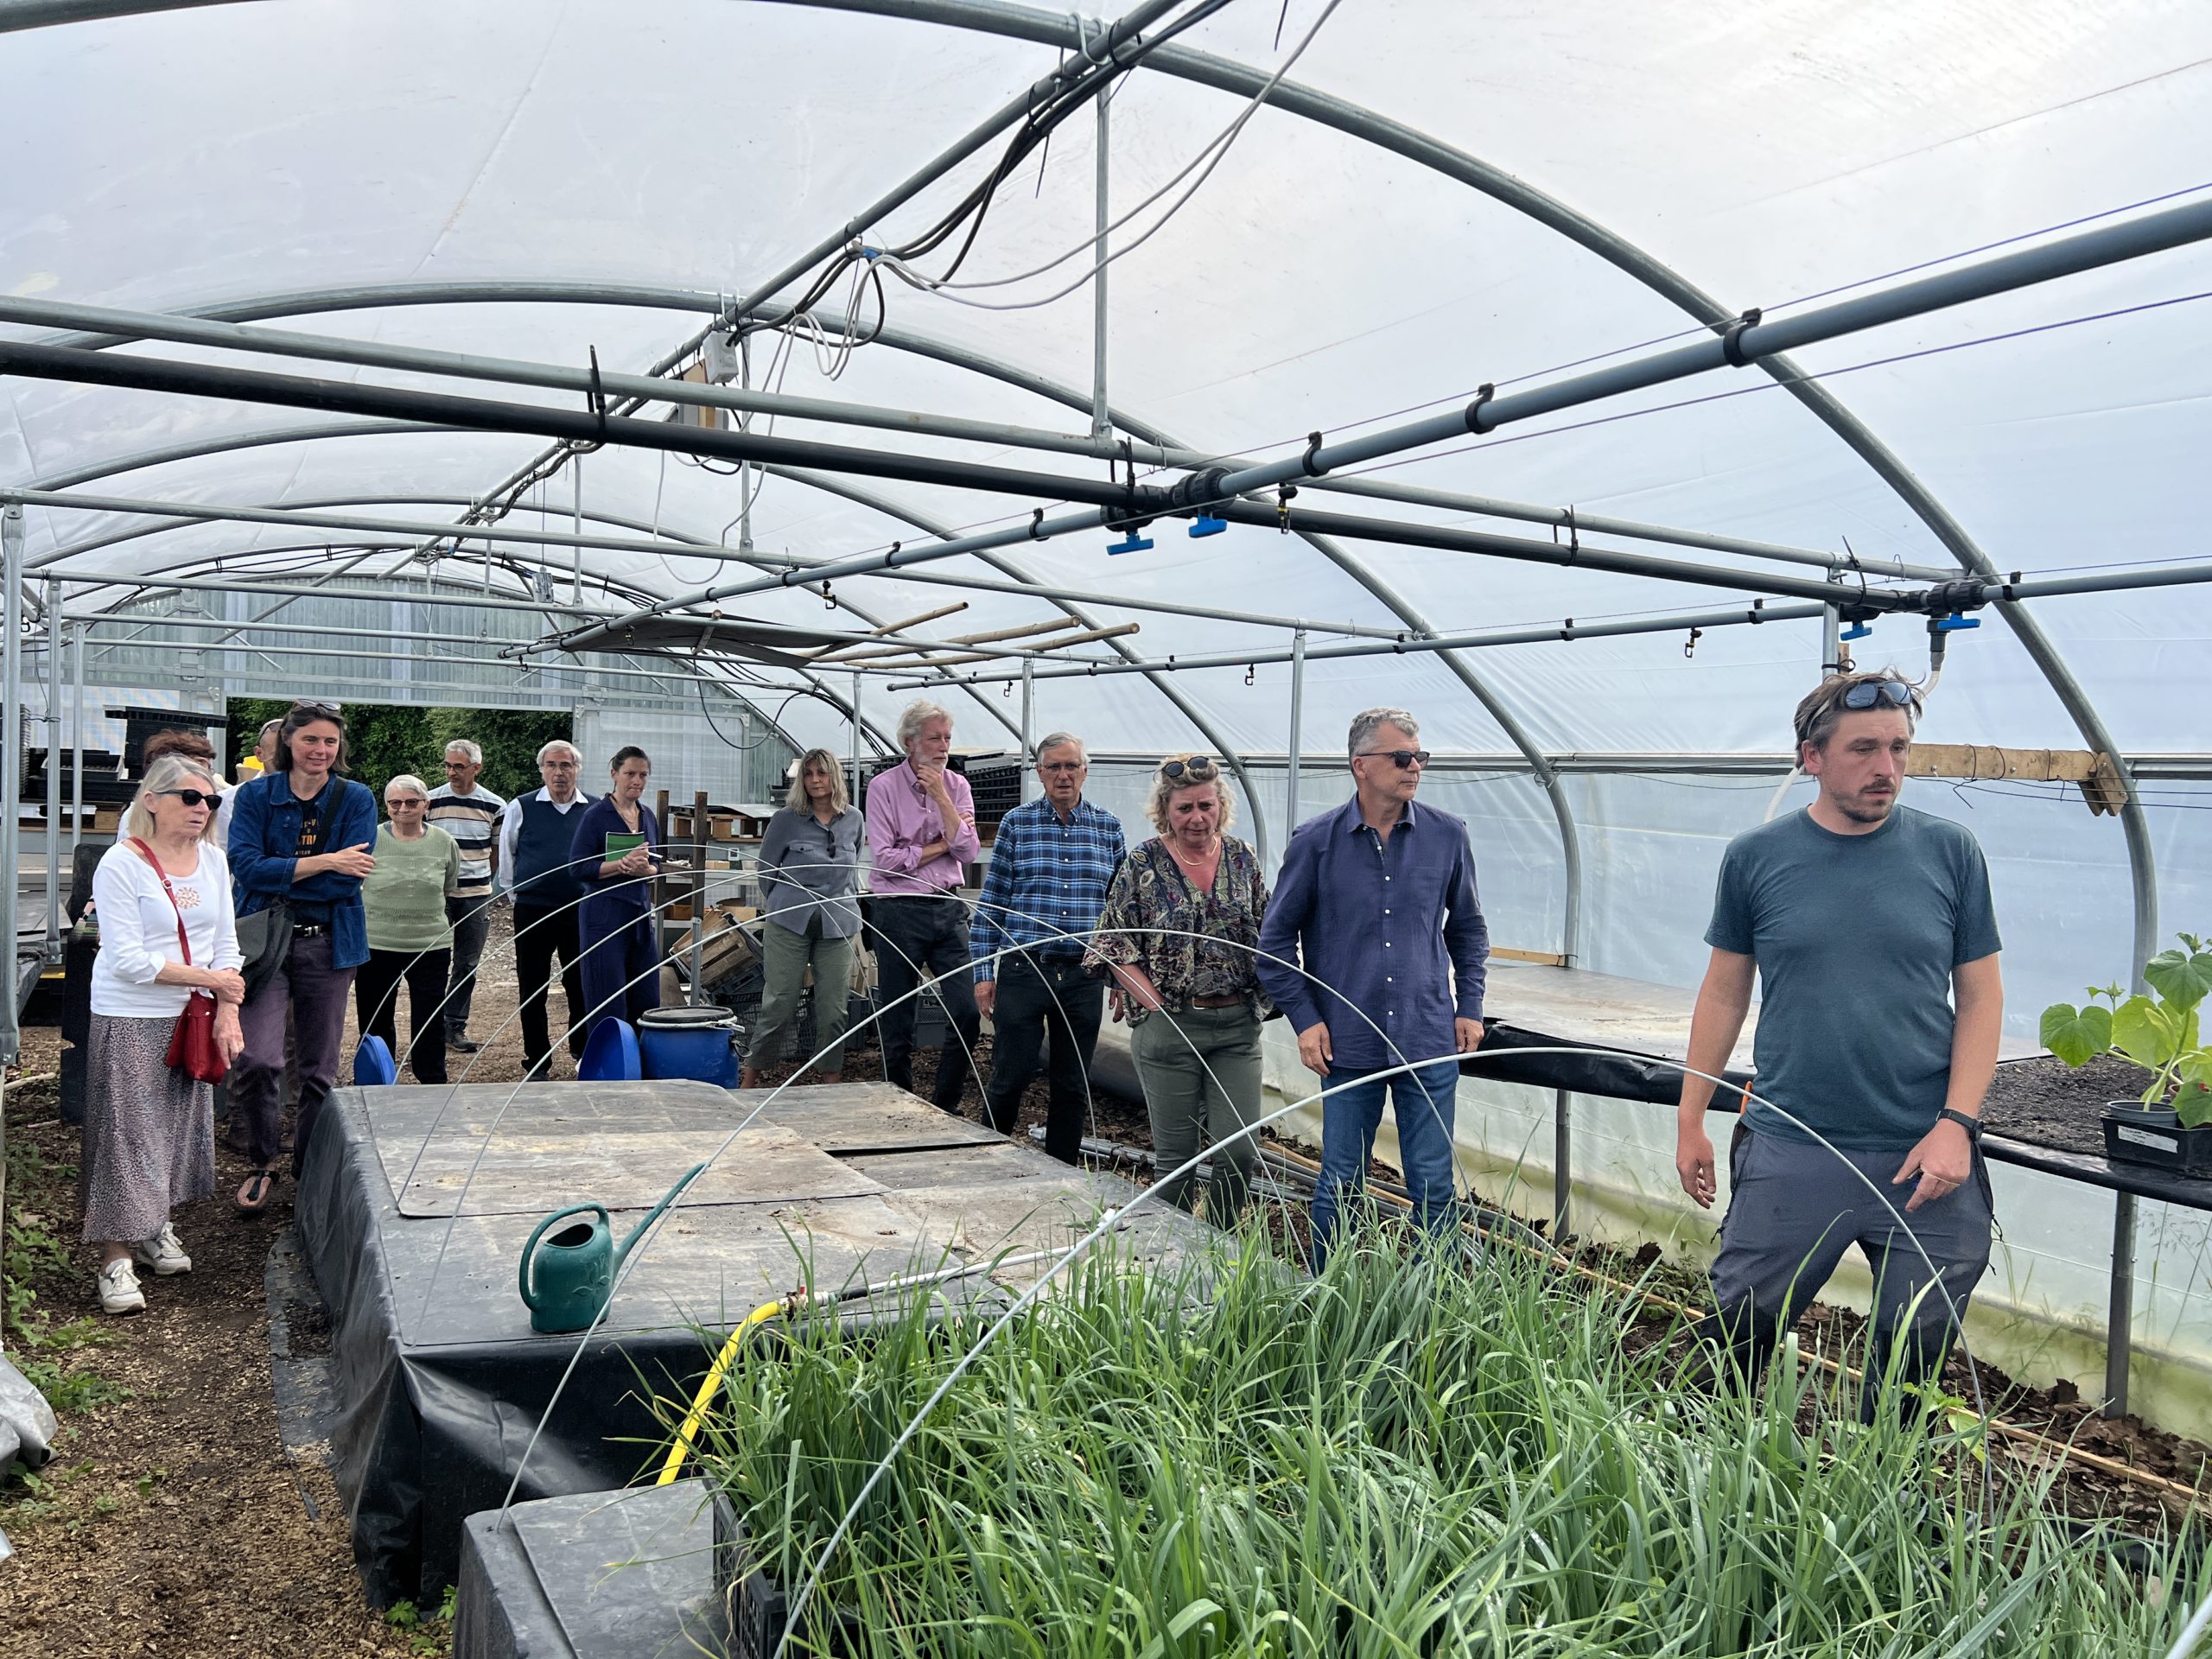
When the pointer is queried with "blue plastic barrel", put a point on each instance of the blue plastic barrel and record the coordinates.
(696, 1043)
(611, 1055)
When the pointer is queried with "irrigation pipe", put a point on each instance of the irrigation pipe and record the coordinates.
(788, 1306)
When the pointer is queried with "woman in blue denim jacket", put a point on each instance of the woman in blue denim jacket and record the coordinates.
(304, 835)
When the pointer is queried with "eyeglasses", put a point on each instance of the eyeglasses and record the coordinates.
(195, 797)
(455, 766)
(1061, 765)
(1407, 758)
(1199, 767)
(395, 802)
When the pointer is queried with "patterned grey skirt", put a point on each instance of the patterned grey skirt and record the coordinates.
(149, 1132)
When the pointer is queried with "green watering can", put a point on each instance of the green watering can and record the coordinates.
(566, 1284)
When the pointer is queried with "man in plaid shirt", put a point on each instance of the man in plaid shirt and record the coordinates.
(1050, 865)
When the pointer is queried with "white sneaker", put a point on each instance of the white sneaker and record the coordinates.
(119, 1291)
(163, 1252)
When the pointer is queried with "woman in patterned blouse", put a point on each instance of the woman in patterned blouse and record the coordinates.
(1181, 922)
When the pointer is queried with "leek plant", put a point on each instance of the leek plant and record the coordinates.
(1414, 1454)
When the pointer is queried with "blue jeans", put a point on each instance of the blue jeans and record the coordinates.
(1424, 1099)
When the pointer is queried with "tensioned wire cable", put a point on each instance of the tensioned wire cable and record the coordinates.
(922, 986)
(1114, 1216)
(1112, 1219)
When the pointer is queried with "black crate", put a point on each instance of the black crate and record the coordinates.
(997, 788)
(2155, 1137)
(757, 1607)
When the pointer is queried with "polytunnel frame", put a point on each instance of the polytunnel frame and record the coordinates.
(993, 16)
(1072, 32)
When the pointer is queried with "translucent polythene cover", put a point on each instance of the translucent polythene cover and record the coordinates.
(636, 166)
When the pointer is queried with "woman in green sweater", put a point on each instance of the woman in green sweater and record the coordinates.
(405, 899)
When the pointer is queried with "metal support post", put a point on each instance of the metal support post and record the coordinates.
(860, 783)
(52, 676)
(76, 737)
(1297, 735)
(1028, 725)
(2119, 1317)
(699, 841)
(1101, 423)
(576, 568)
(1830, 642)
(1562, 1166)
(11, 764)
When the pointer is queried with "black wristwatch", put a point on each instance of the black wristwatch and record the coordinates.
(1971, 1125)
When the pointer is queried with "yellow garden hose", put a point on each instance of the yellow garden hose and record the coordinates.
(719, 1369)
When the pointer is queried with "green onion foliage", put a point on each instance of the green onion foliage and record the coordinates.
(1409, 1456)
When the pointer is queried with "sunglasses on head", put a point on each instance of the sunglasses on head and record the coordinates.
(1868, 694)
(1407, 758)
(195, 797)
(1198, 766)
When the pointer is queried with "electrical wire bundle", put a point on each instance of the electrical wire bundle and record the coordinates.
(1080, 81)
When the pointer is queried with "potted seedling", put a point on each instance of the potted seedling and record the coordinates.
(2171, 1126)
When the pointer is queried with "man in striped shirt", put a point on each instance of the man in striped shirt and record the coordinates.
(471, 817)
(1050, 864)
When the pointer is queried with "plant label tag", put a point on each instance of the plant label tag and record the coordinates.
(2146, 1138)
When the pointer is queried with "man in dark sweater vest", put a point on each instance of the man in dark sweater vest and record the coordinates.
(535, 833)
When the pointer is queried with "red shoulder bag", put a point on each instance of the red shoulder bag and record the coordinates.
(192, 1048)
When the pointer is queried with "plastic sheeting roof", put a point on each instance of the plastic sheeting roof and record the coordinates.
(179, 159)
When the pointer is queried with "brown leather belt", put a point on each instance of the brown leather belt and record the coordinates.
(1218, 1002)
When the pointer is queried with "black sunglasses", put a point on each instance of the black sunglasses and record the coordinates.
(195, 797)
(1869, 693)
(1405, 758)
(1199, 767)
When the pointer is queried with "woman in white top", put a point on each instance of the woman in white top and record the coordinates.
(149, 1131)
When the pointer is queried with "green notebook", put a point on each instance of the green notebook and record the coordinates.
(620, 845)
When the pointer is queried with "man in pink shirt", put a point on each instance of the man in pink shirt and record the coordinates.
(921, 836)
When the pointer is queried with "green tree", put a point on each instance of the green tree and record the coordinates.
(383, 740)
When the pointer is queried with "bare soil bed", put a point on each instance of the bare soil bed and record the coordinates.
(2044, 1101)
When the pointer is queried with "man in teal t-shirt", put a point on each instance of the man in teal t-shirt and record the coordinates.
(1870, 928)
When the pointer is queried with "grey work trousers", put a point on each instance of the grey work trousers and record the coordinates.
(1200, 1069)
(471, 917)
(785, 956)
(1795, 1208)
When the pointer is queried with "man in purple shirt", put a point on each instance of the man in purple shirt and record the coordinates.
(921, 834)
(1377, 901)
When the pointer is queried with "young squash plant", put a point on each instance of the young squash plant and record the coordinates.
(2161, 1031)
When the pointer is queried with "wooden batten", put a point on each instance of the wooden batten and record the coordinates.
(2101, 785)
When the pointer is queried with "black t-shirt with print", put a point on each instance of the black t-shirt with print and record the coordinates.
(310, 912)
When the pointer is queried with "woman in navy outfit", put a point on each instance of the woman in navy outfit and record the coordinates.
(617, 929)
(305, 834)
